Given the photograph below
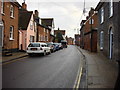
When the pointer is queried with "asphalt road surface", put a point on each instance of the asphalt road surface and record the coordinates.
(57, 70)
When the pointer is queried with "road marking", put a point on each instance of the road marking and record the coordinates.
(13, 61)
(78, 79)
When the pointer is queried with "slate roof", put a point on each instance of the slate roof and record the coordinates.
(24, 18)
(47, 21)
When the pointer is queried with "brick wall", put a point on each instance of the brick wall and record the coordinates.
(8, 21)
(105, 27)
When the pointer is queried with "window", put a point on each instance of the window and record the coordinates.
(2, 6)
(101, 40)
(11, 11)
(102, 15)
(47, 31)
(11, 32)
(91, 21)
(111, 8)
(44, 29)
(31, 38)
(31, 25)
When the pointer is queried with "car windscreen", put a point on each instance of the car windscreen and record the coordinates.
(34, 45)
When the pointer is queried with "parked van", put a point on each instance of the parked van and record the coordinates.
(38, 48)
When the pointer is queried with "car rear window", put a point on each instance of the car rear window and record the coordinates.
(34, 45)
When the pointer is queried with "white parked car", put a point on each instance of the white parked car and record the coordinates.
(38, 48)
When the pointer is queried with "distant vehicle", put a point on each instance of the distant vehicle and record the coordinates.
(38, 48)
(64, 43)
(56, 46)
(50, 44)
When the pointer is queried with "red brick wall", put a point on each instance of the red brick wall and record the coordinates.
(43, 34)
(8, 21)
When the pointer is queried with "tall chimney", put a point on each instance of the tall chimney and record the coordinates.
(24, 6)
(36, 13)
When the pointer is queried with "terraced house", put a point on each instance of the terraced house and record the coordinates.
(9, 12)
(27, 31)
(89, 31)
(109, 29)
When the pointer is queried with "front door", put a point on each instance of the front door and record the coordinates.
(110, 44)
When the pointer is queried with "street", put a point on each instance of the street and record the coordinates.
(57, 70)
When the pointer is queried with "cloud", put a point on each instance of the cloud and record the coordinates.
(67, 14)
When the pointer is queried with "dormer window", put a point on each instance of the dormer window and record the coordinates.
(111, 8)
(11, 11)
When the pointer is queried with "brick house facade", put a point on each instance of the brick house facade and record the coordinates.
(43, 33)
(70, 41)
(90, 31)
(108, 29)
(9, 11)
(77, 39)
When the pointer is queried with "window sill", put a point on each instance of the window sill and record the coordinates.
(111, 16)
(12, 17)
(11, 39)
(3, 13)
(101, 22)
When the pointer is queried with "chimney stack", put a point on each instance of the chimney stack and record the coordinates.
(24, 6)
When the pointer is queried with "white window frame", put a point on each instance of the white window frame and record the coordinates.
(44, 30)
(111, 8)
(47, 31)
(91, 22)
(102, 15)
(2, 7)
(101, 40)
(31, 25)
(11, 11)
(11, 33)
(31, 38)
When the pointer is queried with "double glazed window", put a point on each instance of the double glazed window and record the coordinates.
(11, 32)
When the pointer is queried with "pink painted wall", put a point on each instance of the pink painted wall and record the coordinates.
(24, 35)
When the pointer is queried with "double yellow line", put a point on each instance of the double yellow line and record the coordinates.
(78, 79)
(13, 61)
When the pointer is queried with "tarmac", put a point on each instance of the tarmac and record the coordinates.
(100, 71)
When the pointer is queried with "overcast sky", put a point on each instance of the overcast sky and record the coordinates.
(67, 14)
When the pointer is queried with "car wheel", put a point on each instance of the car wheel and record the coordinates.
(30, 54)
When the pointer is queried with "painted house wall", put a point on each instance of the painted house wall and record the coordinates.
(30, 31)
(24, 35)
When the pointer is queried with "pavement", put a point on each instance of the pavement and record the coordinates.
(15, 55)
(100, 71)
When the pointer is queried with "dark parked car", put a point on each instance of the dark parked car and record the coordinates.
(56, 46)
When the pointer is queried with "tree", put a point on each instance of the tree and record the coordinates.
(59, 37)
